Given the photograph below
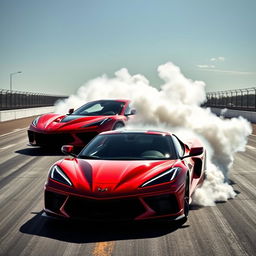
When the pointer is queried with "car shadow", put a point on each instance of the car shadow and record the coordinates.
(233, 183)
(195, 207)
(40, 152)
(85, 232)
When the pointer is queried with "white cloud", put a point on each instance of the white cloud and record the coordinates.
(221, 59)
(233, 72)
(205, 66)
(218, 59)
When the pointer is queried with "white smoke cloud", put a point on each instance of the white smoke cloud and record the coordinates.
(176, 107)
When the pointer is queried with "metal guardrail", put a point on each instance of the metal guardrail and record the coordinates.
(240, 99)
(16, 99)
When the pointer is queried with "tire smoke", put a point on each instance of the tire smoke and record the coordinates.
(176, 107)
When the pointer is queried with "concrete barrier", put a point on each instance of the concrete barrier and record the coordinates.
(229, 113)
(13, 114)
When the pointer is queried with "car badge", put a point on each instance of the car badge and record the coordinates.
(102, 189)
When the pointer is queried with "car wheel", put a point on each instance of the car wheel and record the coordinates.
(118, 126)
(184, 218)
(186, 198)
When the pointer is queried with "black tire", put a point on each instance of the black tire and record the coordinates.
(181, 221)
(186, 198)
(118, 126)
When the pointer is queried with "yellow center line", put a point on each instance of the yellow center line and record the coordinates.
(103, 249)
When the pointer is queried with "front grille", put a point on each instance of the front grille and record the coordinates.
(53, 201)
(164, 204)
(86, 137)
(114, 209)
(51, 139)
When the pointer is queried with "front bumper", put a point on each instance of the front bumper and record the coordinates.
(118, 209)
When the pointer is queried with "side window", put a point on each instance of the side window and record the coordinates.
(128, 110)
(179, 147)
(94, 108)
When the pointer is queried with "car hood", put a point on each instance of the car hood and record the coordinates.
(55, 122)
(107, 177)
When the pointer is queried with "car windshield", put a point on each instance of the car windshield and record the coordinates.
(100, 108)
(129, 146)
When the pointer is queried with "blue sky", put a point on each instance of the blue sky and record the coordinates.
(60, 44)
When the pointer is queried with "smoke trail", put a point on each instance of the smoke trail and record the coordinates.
(176, 106)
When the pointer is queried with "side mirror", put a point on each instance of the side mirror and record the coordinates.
(68, 150)
(132, 112)
(70, 111)
(195, 152)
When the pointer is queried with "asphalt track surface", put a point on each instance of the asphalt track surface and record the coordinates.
(226, 229)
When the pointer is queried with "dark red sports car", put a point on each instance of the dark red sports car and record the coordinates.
(79, 126)
(126, 175)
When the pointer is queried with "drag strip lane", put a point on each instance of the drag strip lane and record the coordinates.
(226, 229)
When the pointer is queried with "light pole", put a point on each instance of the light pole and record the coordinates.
(12, 74)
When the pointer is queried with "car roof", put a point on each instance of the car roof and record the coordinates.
(124, 131)
(122, 100)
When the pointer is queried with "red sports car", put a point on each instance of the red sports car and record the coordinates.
(126, 175)
(79, 126)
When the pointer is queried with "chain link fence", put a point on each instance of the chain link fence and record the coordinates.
(15, 99)
(240, 99)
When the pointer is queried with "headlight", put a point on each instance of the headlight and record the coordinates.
(166, 176)
(57, 174)
(35, 121)
(98, 123)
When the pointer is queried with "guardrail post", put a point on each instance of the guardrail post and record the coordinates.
(255, 99)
